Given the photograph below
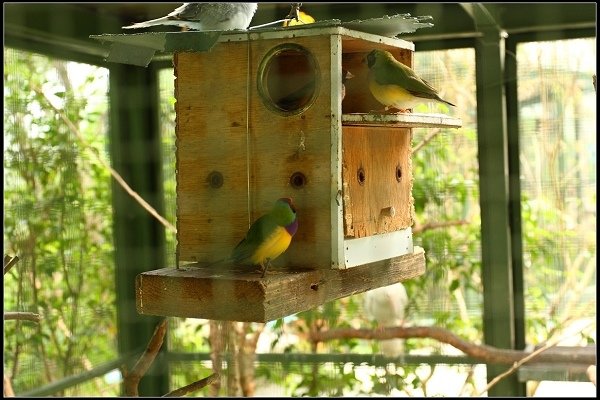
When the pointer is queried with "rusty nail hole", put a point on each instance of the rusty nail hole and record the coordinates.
(298, 180)
(314, 286)
(360, 175)
(398, 173)
(215, 179)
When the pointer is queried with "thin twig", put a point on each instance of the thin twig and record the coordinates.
(23, 316)
(437, 225)
(9, 262)
(192, 387)
(426, 140)
(133, 378)
(112, 171)
(549, 344)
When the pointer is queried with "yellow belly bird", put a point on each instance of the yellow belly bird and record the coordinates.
(268, 237)
(396, 85)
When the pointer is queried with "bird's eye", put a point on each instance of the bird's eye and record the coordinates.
(371, 59)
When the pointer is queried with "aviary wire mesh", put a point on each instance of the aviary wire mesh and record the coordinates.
(58, 221)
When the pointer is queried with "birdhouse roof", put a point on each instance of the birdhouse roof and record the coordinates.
(140, 48)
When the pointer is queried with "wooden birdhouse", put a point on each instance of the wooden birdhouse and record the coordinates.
(260, 116)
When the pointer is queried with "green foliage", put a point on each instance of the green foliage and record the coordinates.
(57, 220)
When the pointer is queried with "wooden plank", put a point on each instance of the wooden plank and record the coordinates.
(211, 136)
(235, 294)
(356, 41)
(224, 125)
(403, 120)
(282, 145)
(377, 180)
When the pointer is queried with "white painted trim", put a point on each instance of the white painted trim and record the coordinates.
(378, 247)
(337, 205)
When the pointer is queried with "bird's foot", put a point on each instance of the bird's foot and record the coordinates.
(264, 268)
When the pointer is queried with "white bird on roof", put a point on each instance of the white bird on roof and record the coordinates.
(206, 17)
(387, 306)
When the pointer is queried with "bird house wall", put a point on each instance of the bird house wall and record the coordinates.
(228, 136)
(377, 180)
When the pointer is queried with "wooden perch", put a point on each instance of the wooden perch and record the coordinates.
(23, 316)
(192, 387)
(487, 354)
(132, 379)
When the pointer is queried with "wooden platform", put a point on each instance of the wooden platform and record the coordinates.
(235, 294)
(403, 120)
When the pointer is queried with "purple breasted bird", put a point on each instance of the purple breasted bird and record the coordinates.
(345, 76)
(268, 237)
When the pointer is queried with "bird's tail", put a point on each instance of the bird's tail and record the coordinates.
(152, 22)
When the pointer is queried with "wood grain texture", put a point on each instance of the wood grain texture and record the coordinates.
(223, 125)
(373, 157)
(235, 294)
(403, 120)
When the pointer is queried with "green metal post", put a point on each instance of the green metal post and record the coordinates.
(135, 150)
(496, 239)
(514, 188)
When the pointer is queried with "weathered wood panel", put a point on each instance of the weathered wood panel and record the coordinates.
(223, 125)
(227, 293)
(377, 180)
(403, 120)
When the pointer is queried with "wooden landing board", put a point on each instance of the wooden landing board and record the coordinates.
(234, 294)
(404, 120)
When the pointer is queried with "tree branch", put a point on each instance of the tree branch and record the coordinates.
(8, 390)
(418, 228)
(516, 366)
(9, 262)
(133, 378)
(106, 165)
(484, 353)
(426, 140)
(23, 316)
(192, 387)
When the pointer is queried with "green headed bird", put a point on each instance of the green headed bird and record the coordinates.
(268, 237)
(394, 84)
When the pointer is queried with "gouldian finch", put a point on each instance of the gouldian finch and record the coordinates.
(206, 17)
(297, 17)
(396, 85)
(387, 305)
(345, 76)
(268, 237)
